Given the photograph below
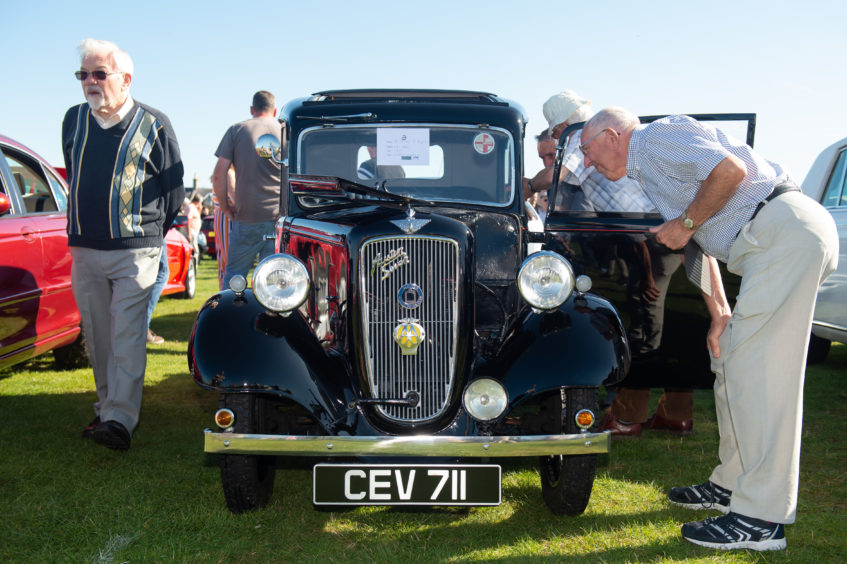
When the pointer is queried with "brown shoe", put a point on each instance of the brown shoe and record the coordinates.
(680, 428)
(153, 338)
(619, 429)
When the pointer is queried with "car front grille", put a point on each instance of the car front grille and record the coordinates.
(418, 265)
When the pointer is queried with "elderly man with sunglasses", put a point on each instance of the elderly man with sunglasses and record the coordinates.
(125, 179)
(744, 210)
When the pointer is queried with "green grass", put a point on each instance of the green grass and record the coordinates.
(65, 499)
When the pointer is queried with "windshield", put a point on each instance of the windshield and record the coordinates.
(430, 162)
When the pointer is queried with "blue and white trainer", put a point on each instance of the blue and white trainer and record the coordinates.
(735, 531)
(702, 496)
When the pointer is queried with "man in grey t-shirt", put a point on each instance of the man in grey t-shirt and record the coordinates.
(257, 187)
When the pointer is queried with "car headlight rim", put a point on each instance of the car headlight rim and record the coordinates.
(546, 280)
(281, 283)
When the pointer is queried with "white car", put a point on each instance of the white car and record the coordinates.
(826, 182)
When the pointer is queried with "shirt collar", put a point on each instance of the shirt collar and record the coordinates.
(114, 120)
(633, 167)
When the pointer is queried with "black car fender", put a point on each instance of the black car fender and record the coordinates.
(236, 345)
(582, 343)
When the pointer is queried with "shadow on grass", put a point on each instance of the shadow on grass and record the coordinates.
(57, 487)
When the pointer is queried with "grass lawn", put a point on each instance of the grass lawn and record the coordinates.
(65, 499)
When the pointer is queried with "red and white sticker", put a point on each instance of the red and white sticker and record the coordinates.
(483, 143)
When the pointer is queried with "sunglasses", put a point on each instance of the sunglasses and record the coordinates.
(98, 74)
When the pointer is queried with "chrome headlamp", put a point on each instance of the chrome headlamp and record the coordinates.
(281, 283)
(485, 399)
(545, 280)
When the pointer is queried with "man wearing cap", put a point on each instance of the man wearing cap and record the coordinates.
(564, 109)
(744, 210)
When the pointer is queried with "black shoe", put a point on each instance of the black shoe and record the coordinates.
(733, 531)
(88, 432)
(701, 496)
(113, 435)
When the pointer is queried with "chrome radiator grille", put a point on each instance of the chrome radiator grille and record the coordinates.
(388, 265)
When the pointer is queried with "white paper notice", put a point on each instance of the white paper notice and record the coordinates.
(399, 146)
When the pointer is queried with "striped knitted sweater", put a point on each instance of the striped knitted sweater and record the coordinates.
(125, 182)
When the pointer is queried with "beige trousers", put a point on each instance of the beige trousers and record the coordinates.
(782, 256)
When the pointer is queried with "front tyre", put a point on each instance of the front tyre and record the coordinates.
(567, 481)
(247, 479)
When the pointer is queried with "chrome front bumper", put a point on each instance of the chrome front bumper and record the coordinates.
(415, 445)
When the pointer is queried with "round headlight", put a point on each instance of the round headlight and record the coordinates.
(281, 283)
(485, 399)
(545, 280)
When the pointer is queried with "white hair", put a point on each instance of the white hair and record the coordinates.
(120, 58)
(619, 119)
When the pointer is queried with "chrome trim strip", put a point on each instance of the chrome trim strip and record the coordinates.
(415, 445)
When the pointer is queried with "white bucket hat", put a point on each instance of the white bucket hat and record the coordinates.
(561, 106)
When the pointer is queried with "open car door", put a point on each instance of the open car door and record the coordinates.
(664, 314)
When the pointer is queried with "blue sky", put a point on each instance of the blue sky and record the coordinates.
(200, 62)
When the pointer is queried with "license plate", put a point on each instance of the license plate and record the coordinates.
(406, 484)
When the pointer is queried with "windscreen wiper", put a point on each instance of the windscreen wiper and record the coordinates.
(366, 116)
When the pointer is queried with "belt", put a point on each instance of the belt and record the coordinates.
(778, 191)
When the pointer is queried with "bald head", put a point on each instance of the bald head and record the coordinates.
(605, 141)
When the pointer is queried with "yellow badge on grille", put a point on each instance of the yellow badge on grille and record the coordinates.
(409, 335)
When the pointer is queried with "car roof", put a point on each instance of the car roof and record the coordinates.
(4, 140)
(363, 106)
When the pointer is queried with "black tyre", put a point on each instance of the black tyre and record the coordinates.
(190, 281)
(247, 479)
(72, 356)
(567, 481)
(818, 349)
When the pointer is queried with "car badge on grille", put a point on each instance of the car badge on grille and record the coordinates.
(409, 335)
(410, 296)
(390, 262)
(409, 224)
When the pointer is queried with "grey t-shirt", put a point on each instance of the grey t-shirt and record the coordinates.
(257, 180)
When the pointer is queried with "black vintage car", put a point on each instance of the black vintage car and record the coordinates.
(418, 323)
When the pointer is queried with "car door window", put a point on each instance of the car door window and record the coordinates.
(835, 194)
(35, 191)
(58, 191)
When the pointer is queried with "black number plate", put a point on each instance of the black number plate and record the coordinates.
(406, 484)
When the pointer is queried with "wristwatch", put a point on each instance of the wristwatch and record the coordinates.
(687, 221)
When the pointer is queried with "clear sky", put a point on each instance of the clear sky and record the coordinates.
(201, 62)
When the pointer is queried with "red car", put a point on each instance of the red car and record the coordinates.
(37, 308)
(208, 229)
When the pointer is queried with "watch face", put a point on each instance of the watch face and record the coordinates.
(688, 222)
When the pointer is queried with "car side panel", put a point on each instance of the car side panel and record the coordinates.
(37, 309)
(666, 331)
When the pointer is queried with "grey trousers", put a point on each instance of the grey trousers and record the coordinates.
(111, 289)
(782, 255)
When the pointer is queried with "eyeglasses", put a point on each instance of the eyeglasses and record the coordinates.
(98, 74)
(584, 146)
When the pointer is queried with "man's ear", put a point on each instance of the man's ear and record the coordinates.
(127, 80)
